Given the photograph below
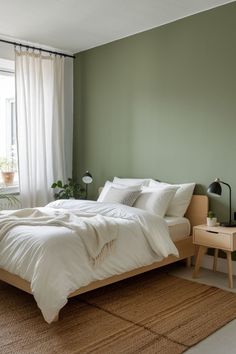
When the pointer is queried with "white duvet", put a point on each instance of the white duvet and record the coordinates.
(55, 261)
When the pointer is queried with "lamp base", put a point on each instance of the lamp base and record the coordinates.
(228, 224)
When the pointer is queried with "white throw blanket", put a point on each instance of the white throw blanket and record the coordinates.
(97, 232)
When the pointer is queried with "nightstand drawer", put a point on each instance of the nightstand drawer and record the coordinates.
(212, 239)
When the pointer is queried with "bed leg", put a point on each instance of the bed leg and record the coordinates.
(188, 262)
(56, 318)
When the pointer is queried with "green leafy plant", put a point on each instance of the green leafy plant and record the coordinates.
(8, 164)
(11, 199)
(69, 190)
(211, 215)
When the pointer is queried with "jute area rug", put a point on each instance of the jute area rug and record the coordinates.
(151, 313)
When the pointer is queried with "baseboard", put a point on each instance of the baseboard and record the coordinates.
(207, 263)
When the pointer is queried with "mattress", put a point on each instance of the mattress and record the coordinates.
(179, 227)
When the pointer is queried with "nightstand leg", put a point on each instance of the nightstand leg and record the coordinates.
(215, 259)
(195, 253)
(230, 273)
(200, 253)
(188, 262)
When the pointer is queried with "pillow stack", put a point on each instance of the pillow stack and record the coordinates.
(155, 200)
(181, 200)
(155, 197)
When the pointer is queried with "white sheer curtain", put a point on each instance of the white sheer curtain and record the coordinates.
(40, 125)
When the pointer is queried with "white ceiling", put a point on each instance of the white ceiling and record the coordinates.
(76, 25)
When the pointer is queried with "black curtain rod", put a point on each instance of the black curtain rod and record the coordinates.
(36, 48)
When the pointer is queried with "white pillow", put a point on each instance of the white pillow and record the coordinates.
(122, 196)
(132, 181)
(155, 200)
(109, 184)
(181, 200)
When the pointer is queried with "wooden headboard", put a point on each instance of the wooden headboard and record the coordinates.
(197, 210)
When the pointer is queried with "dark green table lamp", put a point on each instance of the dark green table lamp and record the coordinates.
(215, 188)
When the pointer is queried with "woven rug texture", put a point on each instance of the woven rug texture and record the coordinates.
(151, 313)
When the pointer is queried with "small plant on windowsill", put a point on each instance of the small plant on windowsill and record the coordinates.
(8, 169)
(70, 190)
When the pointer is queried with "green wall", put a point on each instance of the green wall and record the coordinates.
(161, 104)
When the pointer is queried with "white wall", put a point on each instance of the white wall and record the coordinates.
(7, 52)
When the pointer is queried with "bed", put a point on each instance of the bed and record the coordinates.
(182, 238)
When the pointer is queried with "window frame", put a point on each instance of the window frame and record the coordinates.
(7, 68)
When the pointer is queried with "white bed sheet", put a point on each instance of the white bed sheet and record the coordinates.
(179, 227)
(54, 260)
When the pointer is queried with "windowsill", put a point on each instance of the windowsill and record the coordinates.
(10, 190)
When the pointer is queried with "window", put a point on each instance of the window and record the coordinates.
(8, 141)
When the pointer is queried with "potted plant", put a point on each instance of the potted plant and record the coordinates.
(8, 169)
(70, 190)
(211, 219)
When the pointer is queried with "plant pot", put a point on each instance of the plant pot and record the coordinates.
(211, 221)
(8, 178)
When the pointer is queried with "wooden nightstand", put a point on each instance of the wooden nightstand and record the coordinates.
(217, 237)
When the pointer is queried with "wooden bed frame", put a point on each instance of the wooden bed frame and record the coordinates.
(196, 213)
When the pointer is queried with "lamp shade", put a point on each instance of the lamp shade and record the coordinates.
(215, 188)
(87, 178)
